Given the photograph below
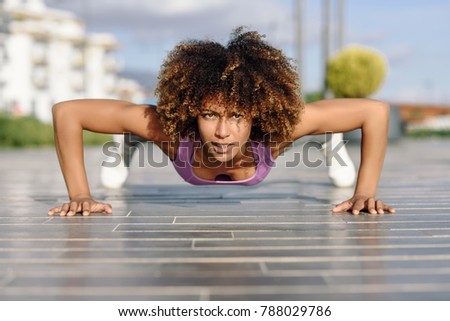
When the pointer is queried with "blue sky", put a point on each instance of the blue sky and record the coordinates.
(413, 35)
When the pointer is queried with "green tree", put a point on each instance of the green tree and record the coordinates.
(356, 72)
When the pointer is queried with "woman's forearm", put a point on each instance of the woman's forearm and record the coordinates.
(373, 148)
(69, 148)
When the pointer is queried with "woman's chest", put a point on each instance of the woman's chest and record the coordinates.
(223, 172)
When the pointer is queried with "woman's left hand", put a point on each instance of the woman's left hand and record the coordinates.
(359, 203)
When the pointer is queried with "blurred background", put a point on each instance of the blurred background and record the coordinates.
(55, 50)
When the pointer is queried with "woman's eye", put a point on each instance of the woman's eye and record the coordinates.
(237, 116)
(208, 115)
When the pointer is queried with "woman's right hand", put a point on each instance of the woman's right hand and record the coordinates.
(84, 205)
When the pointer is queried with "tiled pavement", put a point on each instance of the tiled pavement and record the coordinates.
(167, 240)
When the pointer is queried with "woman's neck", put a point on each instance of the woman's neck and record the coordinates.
(244, 158)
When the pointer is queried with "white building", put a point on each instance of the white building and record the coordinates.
(46, 56)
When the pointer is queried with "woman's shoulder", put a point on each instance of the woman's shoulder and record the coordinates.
(144, 121)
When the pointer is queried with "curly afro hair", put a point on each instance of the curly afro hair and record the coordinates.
(249, 75)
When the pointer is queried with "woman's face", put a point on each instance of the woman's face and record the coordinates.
(224, 134)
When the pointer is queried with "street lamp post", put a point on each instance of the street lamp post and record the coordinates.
(325, 43)
(299, 36)
(341, 27)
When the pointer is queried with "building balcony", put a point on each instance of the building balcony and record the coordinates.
(77, 81)
(39, 54)
(3, 53)
(39, 78)
(110, 86)
(77, 60)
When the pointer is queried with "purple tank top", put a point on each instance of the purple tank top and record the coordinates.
(185, 157)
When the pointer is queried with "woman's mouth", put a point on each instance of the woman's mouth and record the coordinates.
(222, 148)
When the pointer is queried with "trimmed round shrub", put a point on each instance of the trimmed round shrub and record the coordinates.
(356, 72)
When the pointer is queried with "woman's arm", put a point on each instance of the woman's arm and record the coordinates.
(70, 118)
(341, 115)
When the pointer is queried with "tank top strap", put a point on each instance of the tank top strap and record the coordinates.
(184, 152)
(263, 154)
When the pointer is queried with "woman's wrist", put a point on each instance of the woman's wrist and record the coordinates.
(367, 192)
(80, 195)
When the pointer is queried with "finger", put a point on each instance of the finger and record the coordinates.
(344, 206)
(389, 209)
(371, 206)
(104, 207)
(108, 208)
(73, 208)
(54, 210)
(64, 209)
(380, 207)
(86, 208)
(359, 205)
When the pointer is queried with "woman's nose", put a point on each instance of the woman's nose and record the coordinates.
(222, 129)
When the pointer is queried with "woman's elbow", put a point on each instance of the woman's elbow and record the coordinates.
(385, 110)
(62, 112)
(384, 107)
(380, 110)
(59, 109)
(378, 115)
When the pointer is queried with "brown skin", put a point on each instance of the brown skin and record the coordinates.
(335, 115)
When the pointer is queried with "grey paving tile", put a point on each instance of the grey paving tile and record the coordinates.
(372, 292)
(438, 233)
(24, 255)
(332, 234)
(401, 243)
(68, 227)
(292, 297)
(246, 255)
(437, 211)
(417, 279)
(263, 219)
(98, 244)
(406, 264)
(180, 282)
(231, 227)
(14, 220)
(330, 296)
(226, 211)
(405, 216)
(173, 235)
(74, 292)
(135, 269)
(21, 294)
(103, 220)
